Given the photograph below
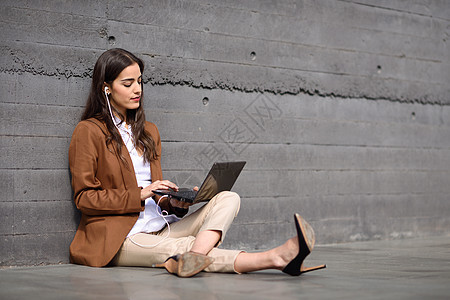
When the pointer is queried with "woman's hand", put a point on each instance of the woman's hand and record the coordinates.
(157, 185)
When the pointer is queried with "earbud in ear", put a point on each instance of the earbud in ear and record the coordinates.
(106, 89)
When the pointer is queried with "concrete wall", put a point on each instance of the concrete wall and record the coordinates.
(340, 107)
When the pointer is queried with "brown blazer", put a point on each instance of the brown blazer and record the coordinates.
(105, 191)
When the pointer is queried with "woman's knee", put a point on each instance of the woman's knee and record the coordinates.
(230, 199)
(229, 196)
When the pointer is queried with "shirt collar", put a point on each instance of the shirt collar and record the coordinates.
(121, 125)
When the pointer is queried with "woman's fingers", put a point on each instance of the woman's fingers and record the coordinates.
(147, 192)
(169, 185)
(164, 185)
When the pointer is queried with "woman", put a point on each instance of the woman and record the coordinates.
(115, 164)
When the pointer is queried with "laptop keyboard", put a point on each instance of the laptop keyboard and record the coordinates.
(186, 193)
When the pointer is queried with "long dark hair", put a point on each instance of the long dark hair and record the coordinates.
(108, 66)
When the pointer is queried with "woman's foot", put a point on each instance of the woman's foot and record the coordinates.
(283, 254)
(287, 257)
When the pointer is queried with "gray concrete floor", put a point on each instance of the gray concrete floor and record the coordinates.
(399, 269)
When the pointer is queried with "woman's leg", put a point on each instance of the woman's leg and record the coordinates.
(208, 224)
(201, 232)
(132, 253)
(276, 258)
(205, 241)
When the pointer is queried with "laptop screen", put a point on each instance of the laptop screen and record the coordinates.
(221, 177)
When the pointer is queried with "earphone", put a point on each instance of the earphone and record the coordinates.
(109, 106)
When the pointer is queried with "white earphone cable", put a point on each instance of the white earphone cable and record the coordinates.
(115, 123)
(163, 215)
(110, 110)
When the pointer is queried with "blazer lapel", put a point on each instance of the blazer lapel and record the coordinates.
(128, 174)
(127, 169)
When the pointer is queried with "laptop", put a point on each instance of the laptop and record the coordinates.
(221, 177)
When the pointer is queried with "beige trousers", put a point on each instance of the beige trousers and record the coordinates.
(147, 249)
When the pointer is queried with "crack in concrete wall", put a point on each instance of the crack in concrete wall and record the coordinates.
(170, 71)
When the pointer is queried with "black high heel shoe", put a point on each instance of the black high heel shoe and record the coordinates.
(187, 264)
(306, 241)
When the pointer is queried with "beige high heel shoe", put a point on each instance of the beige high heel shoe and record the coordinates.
(187, 264)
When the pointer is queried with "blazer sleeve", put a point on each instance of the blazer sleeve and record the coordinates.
(91, 196)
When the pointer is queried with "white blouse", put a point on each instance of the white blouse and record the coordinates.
(151, 219)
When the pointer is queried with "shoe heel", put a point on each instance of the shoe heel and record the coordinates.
(306, 270)
(166, 263)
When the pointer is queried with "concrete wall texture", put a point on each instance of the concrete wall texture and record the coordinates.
(341, 109)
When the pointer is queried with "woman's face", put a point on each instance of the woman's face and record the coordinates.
(126, 89)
